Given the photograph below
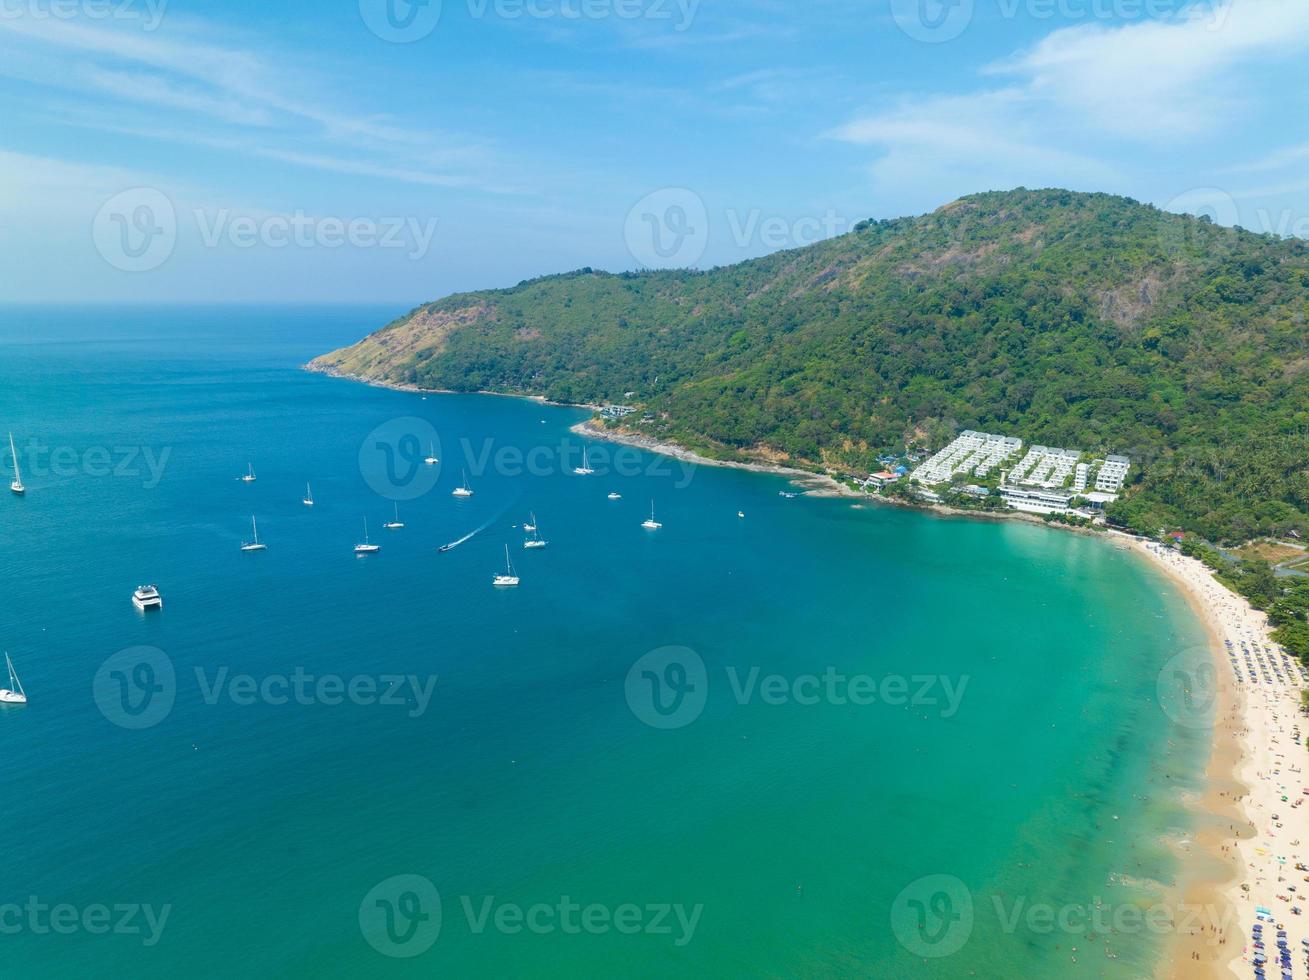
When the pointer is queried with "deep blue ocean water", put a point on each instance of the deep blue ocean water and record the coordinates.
(280, 837)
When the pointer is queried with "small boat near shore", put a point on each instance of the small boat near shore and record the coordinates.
(651, 524)
(463, 490)
(147, 597)
(249, 476)
(396, 524)
(585, 468)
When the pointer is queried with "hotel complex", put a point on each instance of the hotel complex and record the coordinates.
(1045, 480)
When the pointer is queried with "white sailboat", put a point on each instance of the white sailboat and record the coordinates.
(14, 693)
(465, 490)
(254, 545)
(366, 548)
(509, 578)
(651, 524)
(535, 540)
(17, 485)
(309, 497)
(585, 468)
(431, 455)
(249, 473)
(396, 524)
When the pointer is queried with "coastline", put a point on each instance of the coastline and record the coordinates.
(1249, 836)
(1230, 864)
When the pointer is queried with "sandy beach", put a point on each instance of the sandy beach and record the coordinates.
(1254, 818)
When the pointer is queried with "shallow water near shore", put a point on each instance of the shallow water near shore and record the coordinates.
(1014, 757)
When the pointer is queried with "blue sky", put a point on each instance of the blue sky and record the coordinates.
(347, 150)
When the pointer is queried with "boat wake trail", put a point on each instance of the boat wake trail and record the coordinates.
(466, 538)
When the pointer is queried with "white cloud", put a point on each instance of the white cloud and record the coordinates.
(214, 90)
(1159, 79)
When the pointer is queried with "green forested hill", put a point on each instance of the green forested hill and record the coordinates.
(1079, 320)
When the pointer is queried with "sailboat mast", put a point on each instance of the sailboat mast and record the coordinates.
(18, 476)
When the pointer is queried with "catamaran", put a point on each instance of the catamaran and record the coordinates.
(147, 597)
(256, 544)
(431, 455)
(651, 524)
(249, 473)
(508, 578)
(465, 490)
(585, 468)
(366, 548)
(14, 693)
(309, 497)
(17, 485)
(396, 524)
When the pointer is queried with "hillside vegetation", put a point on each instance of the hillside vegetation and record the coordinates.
(1079, 320)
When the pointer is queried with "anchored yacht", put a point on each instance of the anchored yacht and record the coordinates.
(147, 597)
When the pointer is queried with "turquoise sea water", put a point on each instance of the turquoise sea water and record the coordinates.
(798, 830)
